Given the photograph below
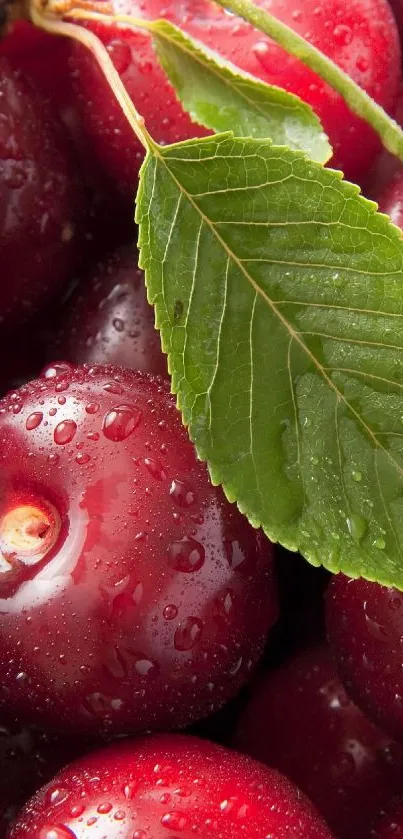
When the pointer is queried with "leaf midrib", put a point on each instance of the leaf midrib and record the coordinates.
(157, 152)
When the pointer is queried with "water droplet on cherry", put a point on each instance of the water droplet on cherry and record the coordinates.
(120, 422)
(188, 634)
(182, 494)
(186, 555)
(64, 432)
(34, 420)
(175, 820)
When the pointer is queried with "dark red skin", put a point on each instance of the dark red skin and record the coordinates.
(23, 354)
(361, 37)
(44, 58)
(41, 202)
(301, 721)
(365, 629)
(29, 757)
(34, 51)
(168, 787)
(110, 320)
(391, 824)
(155, 602)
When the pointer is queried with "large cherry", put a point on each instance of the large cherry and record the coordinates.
(133, 596)
(110, 320)
(361, 37)
(365, 627)
(301, 721)
(168, 787)
(41, 202)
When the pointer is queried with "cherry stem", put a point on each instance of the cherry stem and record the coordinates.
(357, 99)
(96, 47)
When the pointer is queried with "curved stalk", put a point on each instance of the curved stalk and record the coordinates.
(357, 99)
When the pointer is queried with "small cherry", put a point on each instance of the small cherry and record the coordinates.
(365, 629)
(168, 787)
(41, 201)
(133, 596)
(300, 721)
(110, 321)
(362, 38)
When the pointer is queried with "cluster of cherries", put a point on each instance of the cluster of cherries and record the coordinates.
(133, 597)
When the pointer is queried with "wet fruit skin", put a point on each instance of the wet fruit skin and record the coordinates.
(361, 36)
(143, 599)
(41, 201)
(110, 320)
(390, 825)
(168, 787)
(365, 629)
(29, 757)
(301, 722)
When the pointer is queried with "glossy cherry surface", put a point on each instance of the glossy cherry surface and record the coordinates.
(132, 595)
(301, 721)
(360, 36)
(41, 202)
(169, 787)
(110, 320)
(365, 628)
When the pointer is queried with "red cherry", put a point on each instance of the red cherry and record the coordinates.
(301, 721)
(168, 787)
(365, 627)
(110, 321)
(28, 758)
(391, 824)
(133, 595)
(34, 51)
(40, 200)
(361, 37)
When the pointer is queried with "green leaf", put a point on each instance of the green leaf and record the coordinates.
(358, 100)
(220, 96)
(278, 291)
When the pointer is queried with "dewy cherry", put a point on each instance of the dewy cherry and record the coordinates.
(132, 595)
(168, 787)
(41, 201)
(365, 627)
(301, 721)
(110, 320)
(361, 37)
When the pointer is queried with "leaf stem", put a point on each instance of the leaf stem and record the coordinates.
(89, 40)
(357, 99)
